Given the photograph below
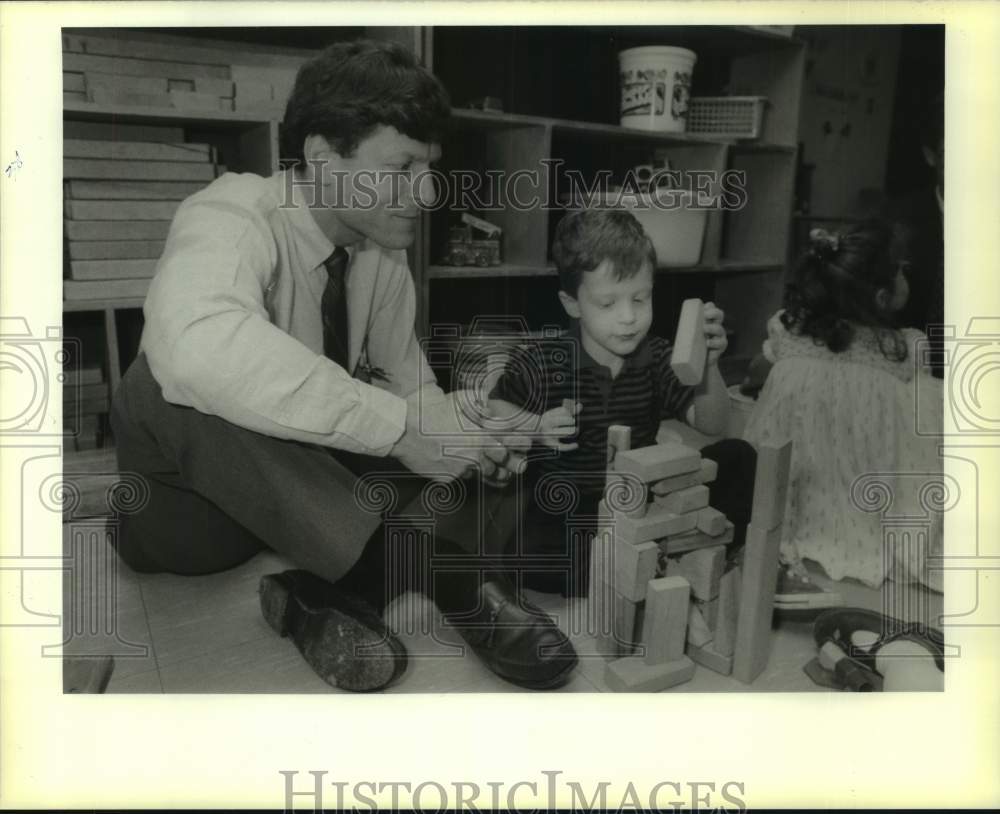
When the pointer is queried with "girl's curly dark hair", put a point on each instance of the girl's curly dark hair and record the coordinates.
(835, 289)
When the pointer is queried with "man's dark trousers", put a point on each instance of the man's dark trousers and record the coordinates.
(219, 494)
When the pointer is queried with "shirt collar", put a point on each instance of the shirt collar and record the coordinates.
(640, 357)
(314, 246)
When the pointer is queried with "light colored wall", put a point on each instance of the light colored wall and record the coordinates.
(851, 82)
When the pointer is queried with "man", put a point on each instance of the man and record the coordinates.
(242, 411)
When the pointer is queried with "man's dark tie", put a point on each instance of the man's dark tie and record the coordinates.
(334, 308)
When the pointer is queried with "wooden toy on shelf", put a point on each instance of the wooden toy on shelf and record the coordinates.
(662, 596)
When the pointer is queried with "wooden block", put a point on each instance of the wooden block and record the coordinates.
(135, 150)
(771, 486)
(76, 290)
(685, 500)
(131, 190)
(656, 524)
(74, 82)
(72, 393)
(709, 610)
(137, 170)
(690, 351)
(115, 249)
(702, 568)
(666, 617)
(249, 90)
(706, 474)
(120, 131)
(111, 269)
(698, 632)
(634, 567)
(121, 210)
(84, 375)
(611, 617)
(114, 96)
(190, 100)
(619, 440)
(712, 521)
(280, 78)
(626, 496)
(116, 229)
(655, 463)
(708, 656)
(694, 540)
(216, 87)
(146, 45)
(117, 84)
(632, 674)
(616, 634)
(121, 66)
(728, 615)
(760, 575)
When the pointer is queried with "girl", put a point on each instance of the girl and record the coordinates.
(843, 388)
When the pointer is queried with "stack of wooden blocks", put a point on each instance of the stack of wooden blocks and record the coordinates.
(184, 75)
(120, 196)
(661, 595)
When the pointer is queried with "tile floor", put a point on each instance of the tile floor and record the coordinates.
(172, 634)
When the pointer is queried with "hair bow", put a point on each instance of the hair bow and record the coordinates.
(824, 242)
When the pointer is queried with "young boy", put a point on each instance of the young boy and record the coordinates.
(614, 373)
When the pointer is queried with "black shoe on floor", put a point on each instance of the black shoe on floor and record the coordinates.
(340, 635)
(516, 640)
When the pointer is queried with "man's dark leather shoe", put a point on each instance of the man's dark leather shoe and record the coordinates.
(516, 640)
(340, 635)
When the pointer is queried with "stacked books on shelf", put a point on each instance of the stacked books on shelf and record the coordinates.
(85, 404)
(120, 196)
(110, 69)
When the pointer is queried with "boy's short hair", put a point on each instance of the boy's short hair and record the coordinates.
(351, 88)
(587, 238)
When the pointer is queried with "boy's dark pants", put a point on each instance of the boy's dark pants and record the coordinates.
(219, 494)
(552, 553)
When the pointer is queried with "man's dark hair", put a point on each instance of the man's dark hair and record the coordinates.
(351, 88)
(587, 238)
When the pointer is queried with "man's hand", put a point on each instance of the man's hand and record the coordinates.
(715, 333)
(446, 440)
(559, 422)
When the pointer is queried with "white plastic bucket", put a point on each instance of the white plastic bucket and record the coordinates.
(655, 83)
(674, 225)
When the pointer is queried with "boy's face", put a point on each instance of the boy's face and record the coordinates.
(614, 314)
(379, 191)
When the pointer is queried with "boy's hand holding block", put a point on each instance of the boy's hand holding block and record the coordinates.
(690, 351)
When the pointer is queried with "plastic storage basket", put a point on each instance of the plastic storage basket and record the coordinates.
(726, 116)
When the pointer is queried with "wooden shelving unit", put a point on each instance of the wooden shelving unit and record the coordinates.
(559, 88)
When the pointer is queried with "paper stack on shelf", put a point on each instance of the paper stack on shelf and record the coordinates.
(119, 199)
(181, 74)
